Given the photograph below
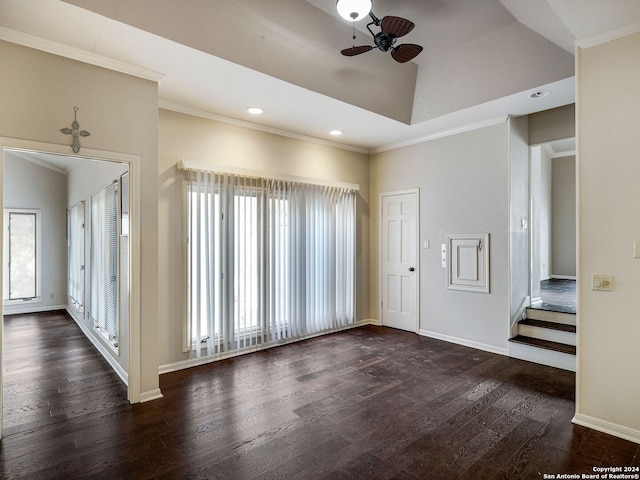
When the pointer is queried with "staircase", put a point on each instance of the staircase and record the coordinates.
(546, 337)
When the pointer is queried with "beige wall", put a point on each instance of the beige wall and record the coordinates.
(37, 95)
(608, 176)
(563, 216)
(464, 188)
(189, 137)
(555, 124)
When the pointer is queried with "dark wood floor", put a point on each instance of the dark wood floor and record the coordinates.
(370, 403)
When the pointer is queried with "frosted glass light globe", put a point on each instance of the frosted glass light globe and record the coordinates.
(353, 10)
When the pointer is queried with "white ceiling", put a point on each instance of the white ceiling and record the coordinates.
(58, 163)
(283, 55)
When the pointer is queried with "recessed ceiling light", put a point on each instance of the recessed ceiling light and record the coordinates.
(335, 133)
(255, 110)
(540, 94)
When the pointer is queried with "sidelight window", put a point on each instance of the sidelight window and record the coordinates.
(75, 256)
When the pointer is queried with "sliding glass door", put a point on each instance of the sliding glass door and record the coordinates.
(267, 260)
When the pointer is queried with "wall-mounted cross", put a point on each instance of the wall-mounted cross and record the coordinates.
(75, 132)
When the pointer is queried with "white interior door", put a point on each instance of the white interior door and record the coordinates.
(399, 260)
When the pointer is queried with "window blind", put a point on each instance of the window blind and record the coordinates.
(103, 308)
(267, 260)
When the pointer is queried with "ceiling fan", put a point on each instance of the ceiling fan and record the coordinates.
(391, 28)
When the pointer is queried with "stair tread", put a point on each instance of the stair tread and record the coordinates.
(547, 344)
(563, 327)
(553, 308)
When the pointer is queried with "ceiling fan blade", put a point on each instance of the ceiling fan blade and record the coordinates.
(405, 52)
(351, 51)
(396, 26)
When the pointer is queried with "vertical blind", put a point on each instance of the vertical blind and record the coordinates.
(268, 260)
(75, 241)
(103, 309)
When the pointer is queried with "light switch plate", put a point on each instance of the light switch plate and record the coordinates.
(636, 249)
(443, 251)
(602, 283)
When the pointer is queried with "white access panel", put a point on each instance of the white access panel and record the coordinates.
(468, 262)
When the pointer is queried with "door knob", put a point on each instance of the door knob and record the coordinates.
(411, 269)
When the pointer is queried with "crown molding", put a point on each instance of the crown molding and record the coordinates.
(174, 107)
(444, 133)
(604, 37)
(74, 53)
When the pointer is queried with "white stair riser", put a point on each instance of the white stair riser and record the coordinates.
(557, 317)
(568, 338)
(543, 356)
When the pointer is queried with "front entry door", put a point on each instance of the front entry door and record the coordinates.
(399, 260)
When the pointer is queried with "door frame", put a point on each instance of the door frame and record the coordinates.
(415, 191)
(134, 165)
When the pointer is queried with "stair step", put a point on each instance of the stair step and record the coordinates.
(553, 332)
(549, 316)
(546, 344)
(563, 327)
(527, 352)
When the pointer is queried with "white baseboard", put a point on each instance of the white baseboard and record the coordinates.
(195, 362)
(20, 309)
(607, 427)
(465, 342)
(564, 277)
(99, 346)
(150, 395)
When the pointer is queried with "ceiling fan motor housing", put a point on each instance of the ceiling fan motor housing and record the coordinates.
(384, 41)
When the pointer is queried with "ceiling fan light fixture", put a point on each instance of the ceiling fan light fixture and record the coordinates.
(353, 10)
